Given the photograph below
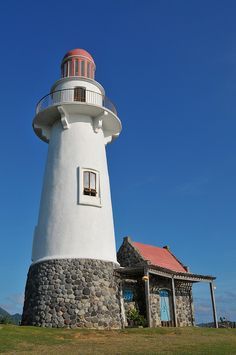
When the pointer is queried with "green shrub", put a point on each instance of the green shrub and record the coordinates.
(134, 318)
(5, 320)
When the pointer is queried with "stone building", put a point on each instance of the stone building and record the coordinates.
(158, 285)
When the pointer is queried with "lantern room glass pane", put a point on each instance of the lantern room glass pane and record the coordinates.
(88, 70)
(93, 181)
(76, 67)
(86, 179)
(65, 70)
(82, 68)
(70, 67)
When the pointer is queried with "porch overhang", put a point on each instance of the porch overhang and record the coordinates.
(139, 270)
(146, 269)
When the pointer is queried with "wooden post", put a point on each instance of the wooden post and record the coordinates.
(174, 301)
(192, 307)
(122, 307)
(147, 297)
(213, 303)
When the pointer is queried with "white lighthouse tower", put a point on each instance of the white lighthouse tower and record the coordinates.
(74, 239)
(75, 218)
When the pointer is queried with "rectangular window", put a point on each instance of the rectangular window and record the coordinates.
(128, 295)
(79, 94)
(90, 183)
(89, 191)
(76, 67)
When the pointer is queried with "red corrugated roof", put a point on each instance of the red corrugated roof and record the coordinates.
(159, 257)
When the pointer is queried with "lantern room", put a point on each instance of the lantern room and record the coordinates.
(78, 62)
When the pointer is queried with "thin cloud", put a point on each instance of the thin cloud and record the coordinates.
(194, 187)
(202, 308)
(148, 181)
(226, 297)
(225, 306)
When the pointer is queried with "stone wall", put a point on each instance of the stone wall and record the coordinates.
(128, 255)
(184, 301)
(74, 293)
(184, 304)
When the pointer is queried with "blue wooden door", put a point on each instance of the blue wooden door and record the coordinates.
(165, 305)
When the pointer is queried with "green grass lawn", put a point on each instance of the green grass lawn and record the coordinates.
(32, 340)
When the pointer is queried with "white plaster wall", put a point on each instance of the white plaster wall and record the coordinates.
(65, 228)
(94, 93)
(71, 83)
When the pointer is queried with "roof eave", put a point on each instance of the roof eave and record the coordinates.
(157, 270)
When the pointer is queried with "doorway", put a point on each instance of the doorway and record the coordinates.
(79, 94)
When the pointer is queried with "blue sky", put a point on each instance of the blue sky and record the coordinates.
(170, 68)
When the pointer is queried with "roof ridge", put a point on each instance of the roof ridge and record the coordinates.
(180, 262)
(150, 245)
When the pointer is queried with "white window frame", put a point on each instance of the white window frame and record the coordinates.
(86, 199)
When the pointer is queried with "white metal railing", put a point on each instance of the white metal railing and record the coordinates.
(70, 95)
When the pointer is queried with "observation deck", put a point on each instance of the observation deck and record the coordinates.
(76, 100)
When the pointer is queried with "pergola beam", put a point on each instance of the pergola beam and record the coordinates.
(180, 277)
(131, 271)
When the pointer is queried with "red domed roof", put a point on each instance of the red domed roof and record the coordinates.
(79, 51)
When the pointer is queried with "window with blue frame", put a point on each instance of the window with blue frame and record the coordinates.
(128, 295)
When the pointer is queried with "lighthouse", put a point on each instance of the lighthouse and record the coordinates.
(71, 281)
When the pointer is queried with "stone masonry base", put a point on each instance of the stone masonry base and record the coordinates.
(72, 293)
